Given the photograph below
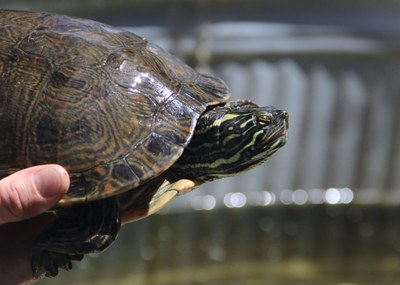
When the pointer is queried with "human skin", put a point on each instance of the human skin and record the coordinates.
(24, 197)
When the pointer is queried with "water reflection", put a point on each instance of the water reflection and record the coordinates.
(299, 197)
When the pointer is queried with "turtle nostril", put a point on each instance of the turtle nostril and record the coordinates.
(282, 114)
(285, 116)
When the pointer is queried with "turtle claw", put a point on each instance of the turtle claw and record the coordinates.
(50, 262)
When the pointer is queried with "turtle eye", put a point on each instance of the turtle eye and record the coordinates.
(264, 119)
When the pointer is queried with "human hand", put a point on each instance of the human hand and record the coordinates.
(24, 197)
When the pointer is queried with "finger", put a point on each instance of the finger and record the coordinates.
(31, 191)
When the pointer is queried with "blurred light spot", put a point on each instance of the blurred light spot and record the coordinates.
(269, 198)
(197, 203)
(332, 196)
(147, 253)
(217, 253)
(316, 196)
(235, 200)
(347, 195)
(286, 197)
(261, 198)
(165, 233)
(300, 197)
(207, 202)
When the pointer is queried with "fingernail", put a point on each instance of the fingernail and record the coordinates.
(49, 182)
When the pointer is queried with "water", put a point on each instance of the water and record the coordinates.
(281, 244)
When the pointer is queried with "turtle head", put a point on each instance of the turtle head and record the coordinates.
(232, 138)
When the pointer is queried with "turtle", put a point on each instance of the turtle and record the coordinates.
(133, 126)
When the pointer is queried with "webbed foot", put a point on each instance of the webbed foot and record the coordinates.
(81, 229)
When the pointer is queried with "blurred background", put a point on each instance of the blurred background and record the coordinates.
(324, 209)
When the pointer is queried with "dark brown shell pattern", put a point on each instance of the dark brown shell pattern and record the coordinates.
(112, 108)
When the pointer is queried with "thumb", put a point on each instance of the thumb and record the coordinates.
(30, 192)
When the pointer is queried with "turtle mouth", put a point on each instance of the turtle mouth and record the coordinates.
(279, 142)
(272, 141)
(278, 137)
(281, 135)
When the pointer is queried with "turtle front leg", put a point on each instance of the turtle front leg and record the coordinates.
(154, 196)
(81, 229)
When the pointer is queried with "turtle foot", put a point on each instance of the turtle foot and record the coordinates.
(81, 229)
(50, 262)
